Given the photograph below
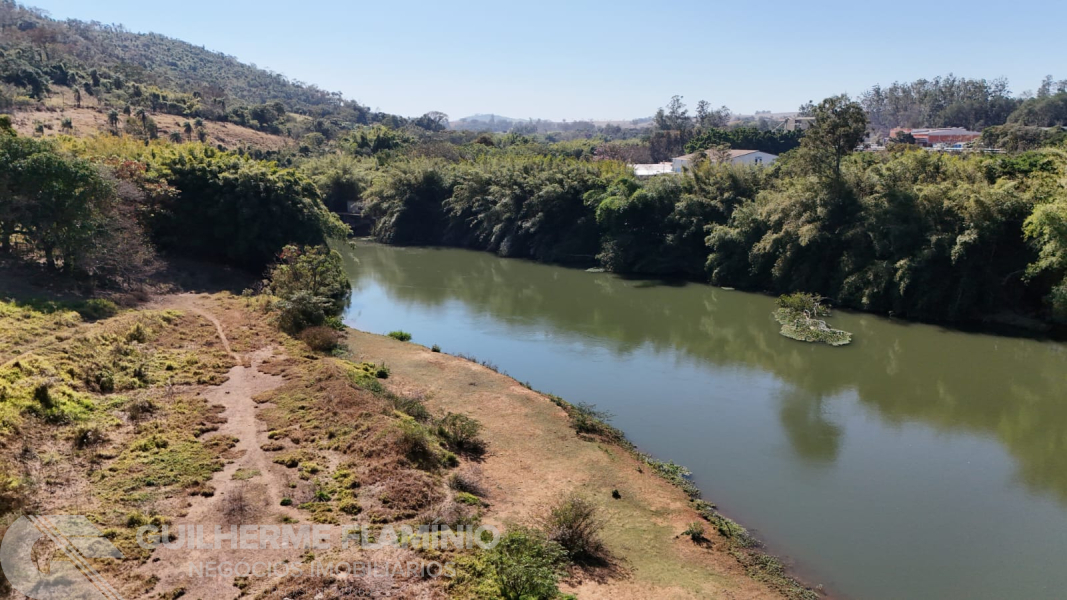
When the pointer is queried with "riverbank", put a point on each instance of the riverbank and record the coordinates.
(192, 408)
(537, 455)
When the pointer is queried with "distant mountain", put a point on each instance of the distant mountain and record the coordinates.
(485, 118)
(500, 123)
(485, 122)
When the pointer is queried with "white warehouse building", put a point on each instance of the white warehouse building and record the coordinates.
(735, 157)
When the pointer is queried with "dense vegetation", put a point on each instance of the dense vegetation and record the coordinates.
(922, 235)
(959, 102)
(98, 209)
(919, 235)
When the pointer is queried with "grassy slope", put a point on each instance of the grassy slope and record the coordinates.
(205, 405)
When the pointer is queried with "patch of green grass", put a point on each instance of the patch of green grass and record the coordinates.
(468, 499)
(400, 335)
(291, 459)
(245, 474)
(163, 458)
(350, 507)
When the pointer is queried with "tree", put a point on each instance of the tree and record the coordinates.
(840, 125)
(433, 121)
(707, 118)
(1047, 230)
(312, 285)
(175, 137)
(66, 203)
(113, 119)
(77, 98)
(702, 111)
(234, 209)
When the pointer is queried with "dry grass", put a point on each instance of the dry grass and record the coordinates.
(91, 121)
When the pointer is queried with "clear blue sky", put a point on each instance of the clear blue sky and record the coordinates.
(608, 59)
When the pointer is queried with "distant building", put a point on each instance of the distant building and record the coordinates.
(734, 157)
(797, 123)
(652, 169)
(933, 137)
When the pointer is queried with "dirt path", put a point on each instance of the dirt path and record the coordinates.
(248, 490)
(536, 458)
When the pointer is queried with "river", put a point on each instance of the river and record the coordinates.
(917, 462)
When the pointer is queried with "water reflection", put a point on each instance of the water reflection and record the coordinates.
(1012, 390)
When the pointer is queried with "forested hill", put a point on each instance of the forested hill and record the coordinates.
(119, 68)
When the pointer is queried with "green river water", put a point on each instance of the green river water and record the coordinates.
(918, 462)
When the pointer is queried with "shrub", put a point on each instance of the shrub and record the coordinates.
(350, 507)
(413, 407)
(287, 502)
(696, 532)
(138, 333)
(237, 507)
(460, 432)
(100, 379)
(467, 483)
(300, 311)
(140, 408)
(312, 285)
(96, 309)
(382, 371)
(88, 437)
(799, 313)
(13, 490)
(401, 336)
(589, 419)
(527, 565)
(416, 443)
(321, 338)
(322, 495)
(435, 348)
(802, 302)
(575, 524)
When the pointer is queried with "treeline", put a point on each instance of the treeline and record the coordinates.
(746, 138)
(960, 102)
(99, 209)
(920, 235)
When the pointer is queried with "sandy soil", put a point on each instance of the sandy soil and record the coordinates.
(91, 121)
(255, 500)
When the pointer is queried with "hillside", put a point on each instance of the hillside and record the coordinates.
(48, 120)
(113, 69)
